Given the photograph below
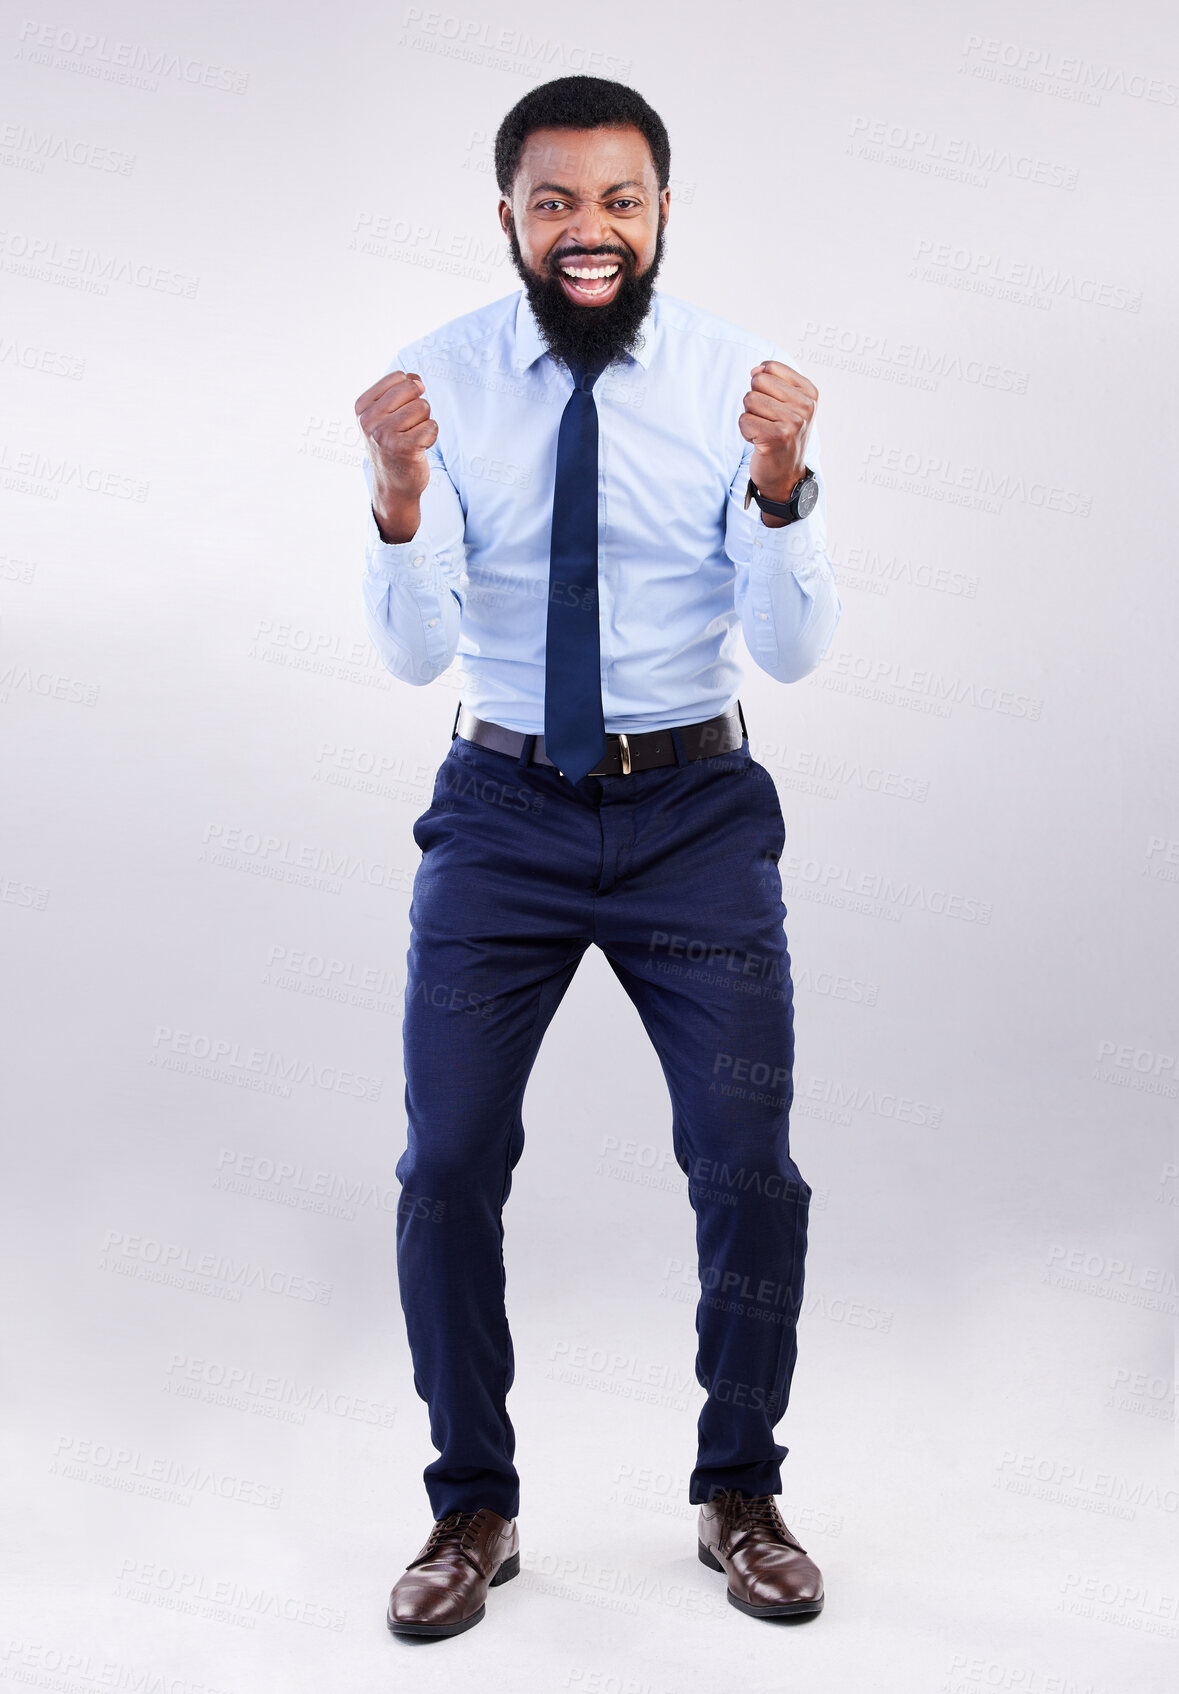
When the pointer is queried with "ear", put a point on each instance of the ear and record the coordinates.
(504, 213)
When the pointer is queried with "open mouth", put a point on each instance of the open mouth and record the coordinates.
(589, 280)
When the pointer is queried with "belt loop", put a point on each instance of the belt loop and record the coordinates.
(677, 741)
(457, 710)
(526, 750)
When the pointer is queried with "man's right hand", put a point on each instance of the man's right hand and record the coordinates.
(395, 418)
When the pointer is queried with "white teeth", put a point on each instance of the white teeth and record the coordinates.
(587, 274)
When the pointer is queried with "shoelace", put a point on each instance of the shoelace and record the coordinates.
(740, 1513)
(450, 1532)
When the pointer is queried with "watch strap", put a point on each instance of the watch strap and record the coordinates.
(787, 509)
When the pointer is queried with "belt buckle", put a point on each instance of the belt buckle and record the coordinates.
(624, 753)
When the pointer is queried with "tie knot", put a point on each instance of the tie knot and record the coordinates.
(585, 375)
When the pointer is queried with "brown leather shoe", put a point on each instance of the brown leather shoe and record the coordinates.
(769, 1573)
(444, 1589)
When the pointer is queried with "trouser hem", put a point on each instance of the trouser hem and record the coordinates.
(764, 1479)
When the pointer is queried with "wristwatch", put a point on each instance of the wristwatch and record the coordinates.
(801, 503)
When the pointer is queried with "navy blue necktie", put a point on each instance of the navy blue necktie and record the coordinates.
(574, 727)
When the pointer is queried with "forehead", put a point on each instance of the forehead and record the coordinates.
(586, 160)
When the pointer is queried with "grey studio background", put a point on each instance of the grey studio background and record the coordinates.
(220, 223)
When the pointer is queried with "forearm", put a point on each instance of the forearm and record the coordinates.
(398, 516)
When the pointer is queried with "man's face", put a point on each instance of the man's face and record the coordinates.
(587, 201)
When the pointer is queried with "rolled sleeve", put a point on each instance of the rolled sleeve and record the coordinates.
(414, 590)
(785, 590)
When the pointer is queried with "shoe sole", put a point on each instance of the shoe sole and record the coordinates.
(782, 1609)
(505, 1573)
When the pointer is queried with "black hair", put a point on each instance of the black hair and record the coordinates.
(578, 102)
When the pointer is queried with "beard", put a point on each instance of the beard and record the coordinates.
(589, 335)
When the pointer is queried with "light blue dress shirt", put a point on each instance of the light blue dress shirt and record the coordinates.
(681, 562)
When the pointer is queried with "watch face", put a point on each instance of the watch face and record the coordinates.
(808, 497)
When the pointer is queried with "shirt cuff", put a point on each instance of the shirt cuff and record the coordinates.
(389, 559)
(401, 561)
(780, 547)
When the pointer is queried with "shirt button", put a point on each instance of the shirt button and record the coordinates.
(432, 623)
(763, 616)
(419, 558)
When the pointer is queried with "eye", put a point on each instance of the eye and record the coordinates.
(544, 203)
(626, 202)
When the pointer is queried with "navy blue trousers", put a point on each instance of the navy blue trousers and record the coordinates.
(673, 873)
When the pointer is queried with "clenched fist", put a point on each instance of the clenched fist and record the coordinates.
(395, 418)
(777, 418)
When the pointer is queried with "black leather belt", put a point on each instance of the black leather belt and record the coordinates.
(641, 751)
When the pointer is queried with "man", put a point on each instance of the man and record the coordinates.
(582, 490)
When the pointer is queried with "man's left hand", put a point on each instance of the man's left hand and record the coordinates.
(779, 409)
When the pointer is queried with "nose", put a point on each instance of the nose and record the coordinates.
(589, 227)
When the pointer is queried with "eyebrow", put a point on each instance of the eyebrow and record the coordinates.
(631, 182)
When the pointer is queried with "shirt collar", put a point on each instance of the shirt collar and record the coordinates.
(531, 345)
